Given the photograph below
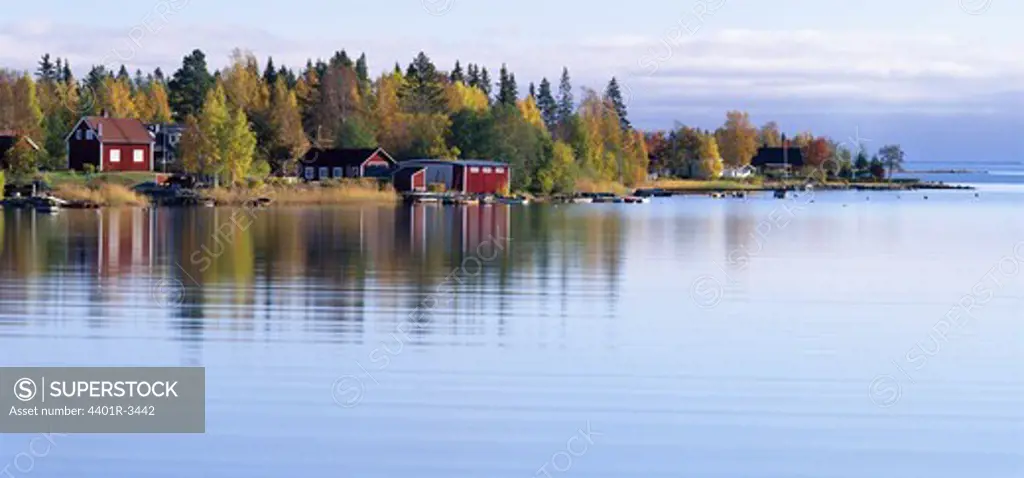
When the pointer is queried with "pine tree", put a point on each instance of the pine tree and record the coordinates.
(566, 105)
(614, 96)
(507, 91)
(548, 106)
(189, 86)
(457, 75)
(67, 75)
(485, 83)
(270, 73)
(533, 91)
(47, 73)
(341, 58)
(423, 93)
(473, 75)
(158, 76)
(363, 75)
(122, 75)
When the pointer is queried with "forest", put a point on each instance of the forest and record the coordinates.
(250, 119)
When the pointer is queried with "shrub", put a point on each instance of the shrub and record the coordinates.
(437, 187)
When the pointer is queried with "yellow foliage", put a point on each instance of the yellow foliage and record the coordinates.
(528, 108)
(464, 97)
(116, 99)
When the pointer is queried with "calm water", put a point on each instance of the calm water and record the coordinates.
(690, 336)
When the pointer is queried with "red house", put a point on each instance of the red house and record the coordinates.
(110, 144)
(327, 163)
(467, 176)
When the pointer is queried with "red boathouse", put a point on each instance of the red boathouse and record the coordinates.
(467, 176)
(110, 144)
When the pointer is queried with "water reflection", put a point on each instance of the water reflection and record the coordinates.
(324, 271)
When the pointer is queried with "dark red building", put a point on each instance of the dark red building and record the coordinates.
(110, 144)
(331, 163)
(410, 179)
(8, 140)
(467, 176)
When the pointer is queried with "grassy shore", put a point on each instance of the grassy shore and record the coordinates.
(325, 193)
(104, 195)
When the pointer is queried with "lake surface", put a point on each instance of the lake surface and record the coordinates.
(818, 336)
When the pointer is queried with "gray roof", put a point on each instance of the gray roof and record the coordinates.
(460, 162)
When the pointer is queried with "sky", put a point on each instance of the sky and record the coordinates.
(943, 78)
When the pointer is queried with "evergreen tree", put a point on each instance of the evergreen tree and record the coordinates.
(122, 75)
(533, 91)
(566, 105)
(67, 76)
(548, 106)
(140, 81)
(457, 75)
(423, 93)
(485, 83)
(47, 73)
(341, 58)
(473, 75)
(507, 91)
(189, 86)
(270, 73)
(614, 95)
(363, 75)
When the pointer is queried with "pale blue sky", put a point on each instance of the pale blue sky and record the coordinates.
(943, 77)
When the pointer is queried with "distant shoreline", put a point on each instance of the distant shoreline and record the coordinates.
(944, 171)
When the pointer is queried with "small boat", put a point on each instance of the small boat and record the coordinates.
(49, 205)
(466, 201)
(516, 200)
(582, 200)
(606, 198)
(652, 192)
(717, 195)
(781, 193)
(636, 200)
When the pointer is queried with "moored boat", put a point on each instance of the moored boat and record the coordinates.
(48, 205)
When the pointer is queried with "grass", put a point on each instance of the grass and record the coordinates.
(108, 195)
(710, 185)
(586, 185)
(126, 179)
(329, 192)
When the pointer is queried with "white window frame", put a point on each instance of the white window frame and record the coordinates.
(78, 134)
(353, 171)
(474, 169)
(324, 173)
(310, 171)
(499, 170)
(138, 155)
(115, 156)
(338, 172)
(488, 170)
(88, 134)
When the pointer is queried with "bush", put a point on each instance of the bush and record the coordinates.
(437, 187)
(89, 169)
(3, 182)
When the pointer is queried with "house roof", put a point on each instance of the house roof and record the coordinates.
(345, 156)
(119, 130)
(775, 156)
(409, 171)
(9, 137)
(459, 162)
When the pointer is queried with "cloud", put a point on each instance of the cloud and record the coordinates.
(667, 75)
